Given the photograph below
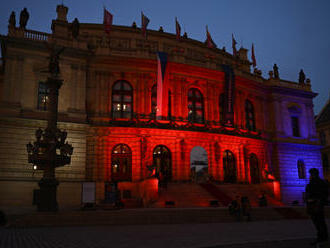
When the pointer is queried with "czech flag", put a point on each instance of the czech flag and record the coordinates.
(107, 21)
(144, 23)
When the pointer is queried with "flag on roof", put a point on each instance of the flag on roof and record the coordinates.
(178, 29)
(107, 21)
(210, 43)
(234, 45)
(144, 23)
(253, 57)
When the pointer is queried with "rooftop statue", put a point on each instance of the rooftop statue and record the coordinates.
(12, 19)
(275, 69)
(23, 18)
(302, 77)
(75, 28)
(134, 25)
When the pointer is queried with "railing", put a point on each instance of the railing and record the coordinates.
(28, 34)
(35, 35)
(290, 84)
(149, 121)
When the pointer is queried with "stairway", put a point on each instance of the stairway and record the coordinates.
(183, 195)
(252, 191)
(219, 194)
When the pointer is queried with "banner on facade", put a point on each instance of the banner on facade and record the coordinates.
(161, 64)
(88, 192)
(229, 95)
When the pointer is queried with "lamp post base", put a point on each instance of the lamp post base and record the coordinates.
(47, 201)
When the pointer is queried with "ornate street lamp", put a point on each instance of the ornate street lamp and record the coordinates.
(50, 150)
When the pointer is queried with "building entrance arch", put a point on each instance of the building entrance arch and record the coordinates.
(199, 164)
(254, 168)
(121, 163)
(229, 167)
(162, 161)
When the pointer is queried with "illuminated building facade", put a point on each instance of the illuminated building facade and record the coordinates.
(254, 130)
(323, 130)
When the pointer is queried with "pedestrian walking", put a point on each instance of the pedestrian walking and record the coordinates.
(235, 208)
(246, 208)
(316, 199)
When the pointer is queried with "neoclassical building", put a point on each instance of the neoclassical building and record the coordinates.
(121, 119)
(323, 129)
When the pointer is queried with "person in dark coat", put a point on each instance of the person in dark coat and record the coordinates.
(246, 208)
(316, 199)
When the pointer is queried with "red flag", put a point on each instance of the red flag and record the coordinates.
(144, 23)
(178, 29)
(234, 45)
(107, 21)
(253, 57)
(209, 41)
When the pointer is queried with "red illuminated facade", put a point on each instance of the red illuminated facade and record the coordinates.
(254, 130)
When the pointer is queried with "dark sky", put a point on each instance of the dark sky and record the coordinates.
(295, 34)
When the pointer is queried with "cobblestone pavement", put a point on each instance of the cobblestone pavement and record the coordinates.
(271, 234)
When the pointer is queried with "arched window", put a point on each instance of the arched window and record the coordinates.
(195, 106)
(222, 107)
(121, 163)
(229, 167)
(122, 100)
(301, 169)
(163, 162)
(43, 96)
(254, 168)
(249, 116)
(154, 99)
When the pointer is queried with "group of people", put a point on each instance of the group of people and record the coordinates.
(240, 208)
(316, 199)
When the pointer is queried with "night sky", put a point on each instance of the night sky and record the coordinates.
(294, 34)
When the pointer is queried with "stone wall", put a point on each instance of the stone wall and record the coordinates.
(17, 176)
(287, 156)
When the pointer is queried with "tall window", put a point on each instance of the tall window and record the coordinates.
(222, 107)
(121, 163)
(43, 96)
(249, 116)
(122, 100)
(301, 169)
(229, 167)
(154, 100)
(195, 106)
(295, 126)
(295, 112)
(254, 169)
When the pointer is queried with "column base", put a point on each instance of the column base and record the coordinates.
(47, 201)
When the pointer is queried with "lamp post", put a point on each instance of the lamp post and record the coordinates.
(50, 150)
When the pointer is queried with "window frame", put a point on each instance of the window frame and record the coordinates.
(192, 111)
(122, 92)
(43, 91)
(250, 122)
(301, 169)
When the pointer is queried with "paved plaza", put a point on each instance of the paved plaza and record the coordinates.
(259, 234)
